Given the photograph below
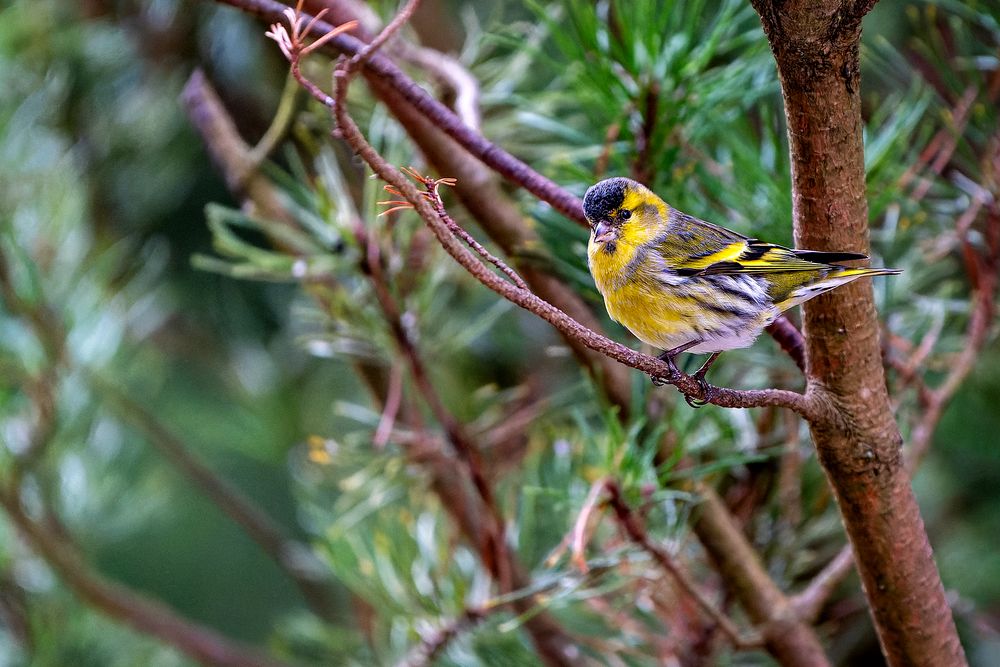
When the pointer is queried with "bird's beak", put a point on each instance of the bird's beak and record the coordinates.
(603, 232)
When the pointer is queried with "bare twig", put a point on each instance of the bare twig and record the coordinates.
(398, 21)
(637, 533)
(809, 602)
(434, 197)
(292, 44)
(529, 301)
(425, 120)
(444, 118)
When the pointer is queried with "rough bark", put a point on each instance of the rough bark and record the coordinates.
(816, 47)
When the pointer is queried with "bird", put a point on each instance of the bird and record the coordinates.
(681, 284)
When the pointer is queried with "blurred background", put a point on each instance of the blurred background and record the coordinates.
(152, 323)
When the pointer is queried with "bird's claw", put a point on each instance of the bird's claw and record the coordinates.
(707, 393)
(660, 380)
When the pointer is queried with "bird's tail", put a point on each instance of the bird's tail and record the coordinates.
(832, 280)
(851, 274)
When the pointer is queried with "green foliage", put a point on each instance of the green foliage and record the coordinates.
(250, 338)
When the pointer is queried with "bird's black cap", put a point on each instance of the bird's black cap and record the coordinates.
(603, 198)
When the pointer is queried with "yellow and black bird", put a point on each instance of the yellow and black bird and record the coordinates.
(682, 284)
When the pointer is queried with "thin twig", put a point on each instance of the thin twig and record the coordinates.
(434, 197)
(529, 301)
(393, 398)
(809, 602)
(401, 18)
(501, 161)
(637, 533)
(553, 646)
(385, 75)
(291, 42)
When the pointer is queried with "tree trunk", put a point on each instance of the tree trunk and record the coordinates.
(816, 46)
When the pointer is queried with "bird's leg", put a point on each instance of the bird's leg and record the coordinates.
(705, 386)
(668, 357)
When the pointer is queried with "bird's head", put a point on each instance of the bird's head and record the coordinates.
(622, 211)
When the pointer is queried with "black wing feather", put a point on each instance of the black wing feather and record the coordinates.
(828, 257)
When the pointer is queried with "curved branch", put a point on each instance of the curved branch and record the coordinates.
(501, 161)
(652, 366)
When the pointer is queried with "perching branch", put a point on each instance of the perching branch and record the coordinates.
(529, 301)
(434, 130)
(550, 641)
(224, 143)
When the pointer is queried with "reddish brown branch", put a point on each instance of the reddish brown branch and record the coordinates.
(789, 339)
(529, 301)
(434, 197)
(788, 638)
(444, 118)
(416, 111)
(636, 532)
(463, 504)
(816, 48)
(553, 646)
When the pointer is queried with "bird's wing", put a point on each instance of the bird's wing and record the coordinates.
(762, 258)
(695, 247)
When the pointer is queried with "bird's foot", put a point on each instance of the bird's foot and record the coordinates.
(707, 392)
(673, 372)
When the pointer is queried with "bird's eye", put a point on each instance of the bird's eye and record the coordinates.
(625, 214)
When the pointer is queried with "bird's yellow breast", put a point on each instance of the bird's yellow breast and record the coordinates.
(636, 299)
